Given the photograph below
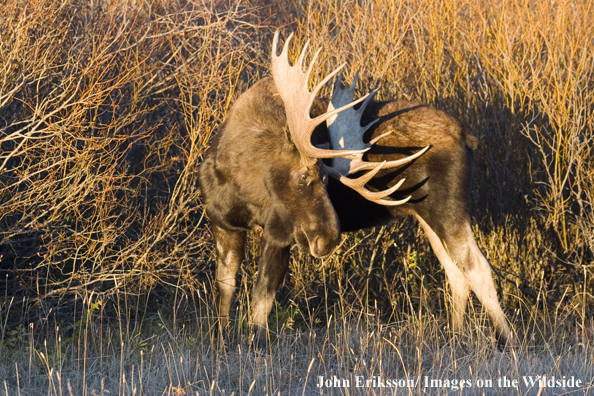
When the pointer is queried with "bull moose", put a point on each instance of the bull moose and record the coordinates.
(262, 172)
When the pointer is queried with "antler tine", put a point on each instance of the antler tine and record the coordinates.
(359, 183)
(291, 83)
(317, 88)
(299, 63)
(359, 165)
(311, 64)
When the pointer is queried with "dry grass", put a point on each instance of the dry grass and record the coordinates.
(106, 109)
(163, 355)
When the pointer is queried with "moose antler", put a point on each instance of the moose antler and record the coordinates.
(346, 132)
(291, 83)
(344, 123)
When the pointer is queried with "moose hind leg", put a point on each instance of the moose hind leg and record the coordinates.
(480, 277)
(458, 283)
(230, 246)
(455, 246)
(272, 267)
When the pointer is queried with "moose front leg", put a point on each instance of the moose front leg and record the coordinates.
(230, 247)
(272, 267)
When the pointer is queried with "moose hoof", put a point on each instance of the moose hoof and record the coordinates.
(259, 338)
(505, 343)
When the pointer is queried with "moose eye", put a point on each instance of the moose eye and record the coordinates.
(305, 179)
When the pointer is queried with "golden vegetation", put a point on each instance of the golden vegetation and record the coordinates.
(107, 107)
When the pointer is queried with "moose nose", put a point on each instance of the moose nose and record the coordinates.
(321, 247)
